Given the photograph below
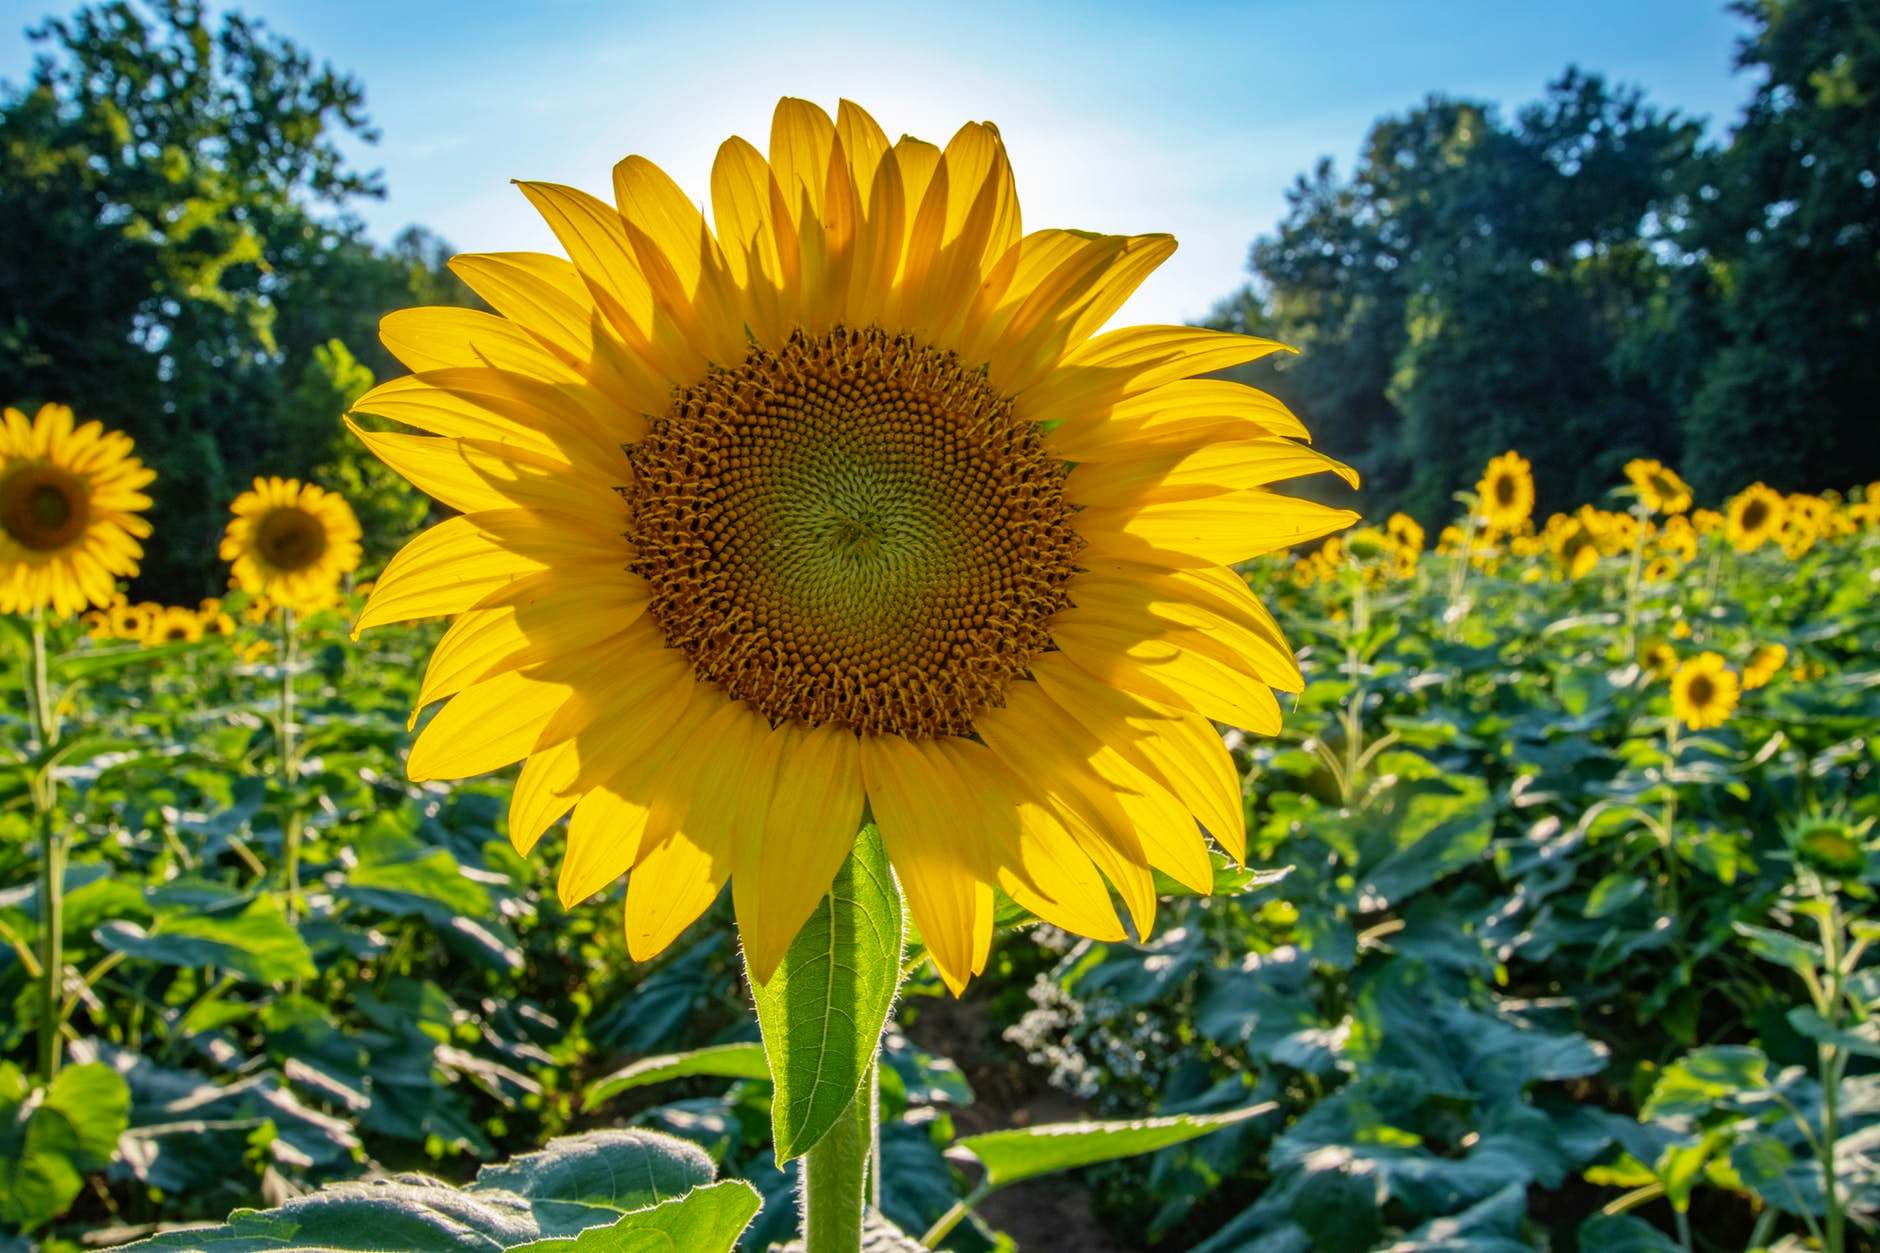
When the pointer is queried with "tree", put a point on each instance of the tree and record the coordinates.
(1784, 228)
(1466, 290)
(175, 246)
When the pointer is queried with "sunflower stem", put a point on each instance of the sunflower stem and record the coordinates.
(51, 864)
(290, 825)
(836, 1173)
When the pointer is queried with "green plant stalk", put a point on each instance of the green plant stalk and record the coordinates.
(1459, 577)
(944, 1225)
(1632, 580)
(289, 768)
(1833, 1061)
(51, 866)
(835, 1174)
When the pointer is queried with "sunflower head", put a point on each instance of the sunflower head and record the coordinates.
(835, 498)
(71, 502)
(1658, 659)
(291, 542)
(1753, 517)
(1658, 486)
(174, 625)
(1764, 664)
(1506, 492)
(1704, 692)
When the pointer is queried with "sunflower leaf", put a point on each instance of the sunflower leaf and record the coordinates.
(823, 1011)
(1011, 1156)
(722, 1061)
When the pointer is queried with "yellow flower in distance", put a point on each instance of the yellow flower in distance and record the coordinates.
(1506, 492)
(71, 500)
(1764, 664)
(1658, 659)
(174, 625)
(1753, 517)
(1659, 487)
(1703, 692)
(835, 499)
(291, 542)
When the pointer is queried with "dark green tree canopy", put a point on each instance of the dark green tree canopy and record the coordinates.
(175, 247)
(1588, 281)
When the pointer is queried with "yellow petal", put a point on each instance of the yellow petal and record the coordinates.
(1220, 531)
(1197, 473)
(439, 338)
(786, 863)
(1132, 360)
(681, 874)
(1181, 751)
(1185, 413)
(934, 861)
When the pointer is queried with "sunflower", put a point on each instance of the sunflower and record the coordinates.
(1753, 517)
(1679, 540)
(1703, 692)
(1506, 492)
(1573, 545)
(1660, 570)
(1764, 664)
(291, 542)
(1658, 660)
(174, 625)
(70, 504)
(1659, 487)
(837, 503)
(1406, 531)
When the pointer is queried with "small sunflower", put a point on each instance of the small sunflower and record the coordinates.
(1764, 664)
(1753, 517)
(837, 499)
(1406, 531)
(1679, 539)
(1659, 487)
(1506, 492)
(71, 499)
(1658, 660)
(291, 542)
(1660, 570)
(1704, 692)
(174, 625)
(1573, 546)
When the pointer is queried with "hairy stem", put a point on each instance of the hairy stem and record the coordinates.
(835, 1175)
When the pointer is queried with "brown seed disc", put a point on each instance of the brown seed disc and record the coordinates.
(854, 530)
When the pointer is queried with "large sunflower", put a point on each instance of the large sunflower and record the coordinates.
(838, 503)
(70, 504)
(1506, 492)
(1753, 517)
(291, 542)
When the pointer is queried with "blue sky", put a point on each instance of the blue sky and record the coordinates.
(1190, 119)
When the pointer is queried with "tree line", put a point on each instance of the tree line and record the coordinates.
(1591, 279)
(1588, 280)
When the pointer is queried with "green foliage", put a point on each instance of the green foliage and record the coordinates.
(603, 1192)
(823, 1010)
(1588, 282)
(50, 1140)
(1025, 1153)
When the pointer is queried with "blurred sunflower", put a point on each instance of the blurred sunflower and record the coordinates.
(837, 502)
(1658, 659)
(71, 499)
(1660, 570)
(1753, 517)
(1573, 545)
(1764, 664)
(1703, 692)
(1506, 492)
(174, 625)
(291, 542)
(1659, 488)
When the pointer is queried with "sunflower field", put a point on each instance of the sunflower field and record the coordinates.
(791, 720)
(1550, 934)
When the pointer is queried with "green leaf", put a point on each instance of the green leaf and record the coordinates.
(1859, 1037)
(1694, 1083)
(257, 943)
(1622, 1233)
(575, 1180)
(92, 662)
(574, 1186)
(45, 1155)
(1010, 1156)
(724, 1061)
(823, 1012)
(1801, 956)
(708, 1219)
